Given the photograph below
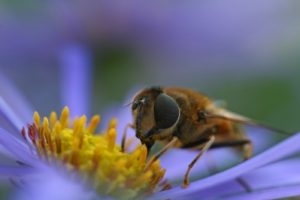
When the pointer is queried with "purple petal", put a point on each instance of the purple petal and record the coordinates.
(17, 149)
(50, 184)
(15, 171)
(76, 71)
(286, 148)
(10, 119)
(15, 100)
(271, 193)
(283, 173)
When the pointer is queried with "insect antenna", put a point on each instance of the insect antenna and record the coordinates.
(128, 104)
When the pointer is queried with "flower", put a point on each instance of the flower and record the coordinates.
(95, 156)
(51, 165)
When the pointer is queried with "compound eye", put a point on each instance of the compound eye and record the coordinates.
(166, 111)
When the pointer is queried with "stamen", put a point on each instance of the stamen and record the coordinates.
(94, 123)
(112, 123)
(36, 118)
(64, 117)
(94, 156)
(53, 118)
(111, 137)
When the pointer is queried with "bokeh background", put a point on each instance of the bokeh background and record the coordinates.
(246, 53)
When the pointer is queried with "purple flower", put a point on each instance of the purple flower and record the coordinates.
(270, 174)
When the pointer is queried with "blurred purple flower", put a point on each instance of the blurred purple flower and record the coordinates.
(76, 73)
(170, 34)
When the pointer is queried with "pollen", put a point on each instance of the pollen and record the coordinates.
(95, 156)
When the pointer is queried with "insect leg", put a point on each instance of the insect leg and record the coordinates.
(124, 136)
(202, 151)
(161, 152)
(247, 150)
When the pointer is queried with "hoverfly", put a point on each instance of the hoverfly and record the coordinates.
(183, 118)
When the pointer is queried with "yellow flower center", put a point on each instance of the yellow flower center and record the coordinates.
(95, 156)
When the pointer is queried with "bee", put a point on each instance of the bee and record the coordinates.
(184, 118)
